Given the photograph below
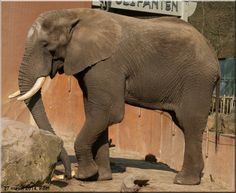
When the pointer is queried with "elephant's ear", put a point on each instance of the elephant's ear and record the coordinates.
(94, 39)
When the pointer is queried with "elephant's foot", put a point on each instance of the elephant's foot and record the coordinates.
(86, 171)
(104, 174)
(187, 179)
(66, 162)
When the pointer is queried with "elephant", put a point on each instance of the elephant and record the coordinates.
(161, 63)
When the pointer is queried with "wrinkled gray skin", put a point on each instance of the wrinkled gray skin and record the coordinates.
(159, 63)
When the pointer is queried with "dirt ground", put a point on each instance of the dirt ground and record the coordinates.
(126, 163)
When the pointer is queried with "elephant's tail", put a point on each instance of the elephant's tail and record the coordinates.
(217, 113)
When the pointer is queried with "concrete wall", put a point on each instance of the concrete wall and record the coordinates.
(142, 131)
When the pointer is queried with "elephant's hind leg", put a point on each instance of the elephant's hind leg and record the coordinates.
(191, 171)
(193, 118)
(101, 156)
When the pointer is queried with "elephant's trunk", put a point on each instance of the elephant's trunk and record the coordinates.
(27, 78)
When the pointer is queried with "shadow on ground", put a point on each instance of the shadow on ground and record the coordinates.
(118, 165)
(141, 164)
(60, 184)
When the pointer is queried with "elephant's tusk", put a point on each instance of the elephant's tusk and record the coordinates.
(62, 177)
(38, 84)
(15, 94)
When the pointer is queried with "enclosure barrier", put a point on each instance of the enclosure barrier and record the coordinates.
(154, 132)
(227, 104)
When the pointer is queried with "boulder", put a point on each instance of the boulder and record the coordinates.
(29, 155)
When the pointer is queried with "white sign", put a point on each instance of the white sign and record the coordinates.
(184, 9)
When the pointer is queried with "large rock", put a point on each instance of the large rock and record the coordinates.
(29, 155)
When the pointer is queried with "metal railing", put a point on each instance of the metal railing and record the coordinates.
(226, 104)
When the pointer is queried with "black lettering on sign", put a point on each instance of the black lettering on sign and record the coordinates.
(132, 3)
(147, 3)
(162, 5)
(126, 3)
(174, 6)
(139, 2)
(168, 5)
(155, 3)
(118, 2)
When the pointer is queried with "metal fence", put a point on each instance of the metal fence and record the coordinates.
(227, 87)
(228, 76)
(226, 104)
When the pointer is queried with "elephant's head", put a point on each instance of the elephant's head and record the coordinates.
(66, 41)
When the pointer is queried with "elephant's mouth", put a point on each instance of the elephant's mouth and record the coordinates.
(57, 66)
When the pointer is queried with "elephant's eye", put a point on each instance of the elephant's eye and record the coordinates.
(45, 44)
(52, 52)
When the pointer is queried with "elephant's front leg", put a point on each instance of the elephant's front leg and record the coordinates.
(97, 119)
(101, 156)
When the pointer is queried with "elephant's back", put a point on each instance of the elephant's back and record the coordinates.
(172, 41)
